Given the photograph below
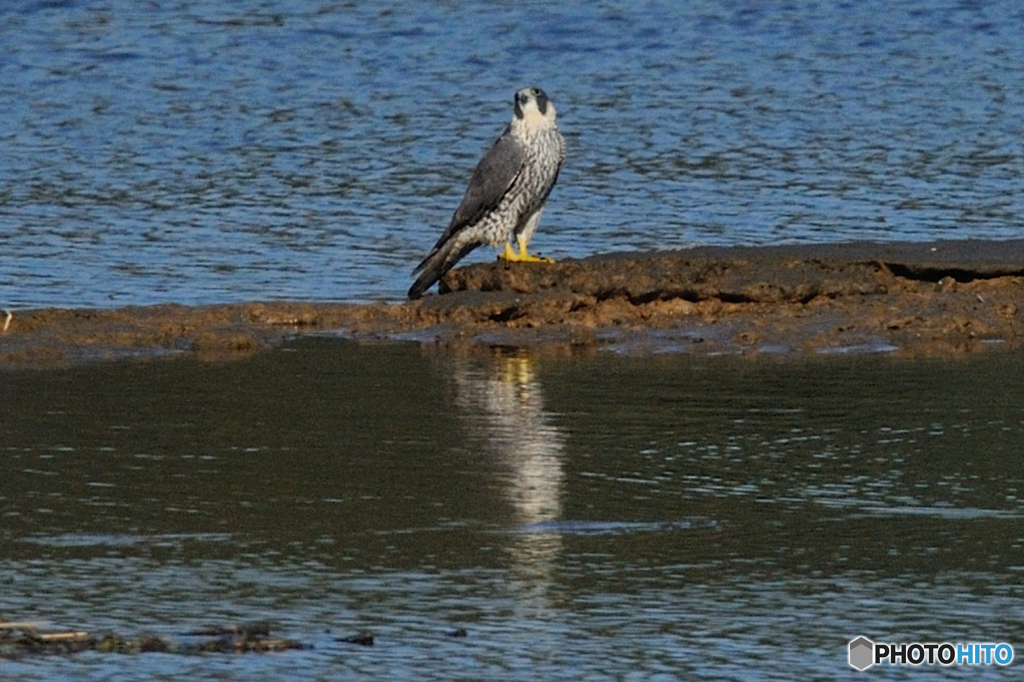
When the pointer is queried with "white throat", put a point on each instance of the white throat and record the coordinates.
(534, 120)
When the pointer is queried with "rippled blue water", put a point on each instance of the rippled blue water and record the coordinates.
(208, 152)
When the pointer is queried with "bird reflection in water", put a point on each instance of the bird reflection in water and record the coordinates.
(502, 402)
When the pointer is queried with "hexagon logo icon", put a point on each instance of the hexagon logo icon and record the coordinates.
(862, 653)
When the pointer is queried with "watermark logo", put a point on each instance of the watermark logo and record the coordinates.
(864, 653)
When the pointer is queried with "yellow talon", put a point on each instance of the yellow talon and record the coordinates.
(522, 257)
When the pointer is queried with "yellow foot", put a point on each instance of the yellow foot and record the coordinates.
(522, 257)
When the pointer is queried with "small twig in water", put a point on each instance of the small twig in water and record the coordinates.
(23, 625)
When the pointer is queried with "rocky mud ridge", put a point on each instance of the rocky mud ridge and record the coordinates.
(910, 298)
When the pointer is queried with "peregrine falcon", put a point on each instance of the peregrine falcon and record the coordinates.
(507, 192)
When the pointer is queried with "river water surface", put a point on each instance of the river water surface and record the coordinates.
(593, 517)
(213, 152)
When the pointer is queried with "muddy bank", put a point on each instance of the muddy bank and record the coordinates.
(911, 298)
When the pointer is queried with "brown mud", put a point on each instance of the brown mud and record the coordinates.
(908, 298)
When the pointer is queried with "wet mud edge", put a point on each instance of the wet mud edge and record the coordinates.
(917, 299)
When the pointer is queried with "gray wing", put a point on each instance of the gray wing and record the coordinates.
(491, 180)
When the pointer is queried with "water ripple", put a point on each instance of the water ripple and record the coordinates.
(206, 153)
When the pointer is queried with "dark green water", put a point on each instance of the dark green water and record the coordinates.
(585, 517)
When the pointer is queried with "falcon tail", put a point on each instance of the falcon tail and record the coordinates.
(431, 273)
(439, 261)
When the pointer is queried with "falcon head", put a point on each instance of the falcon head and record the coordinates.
(533, 106)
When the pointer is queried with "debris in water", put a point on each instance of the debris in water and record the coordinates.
(360, 638)
(19, 639)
